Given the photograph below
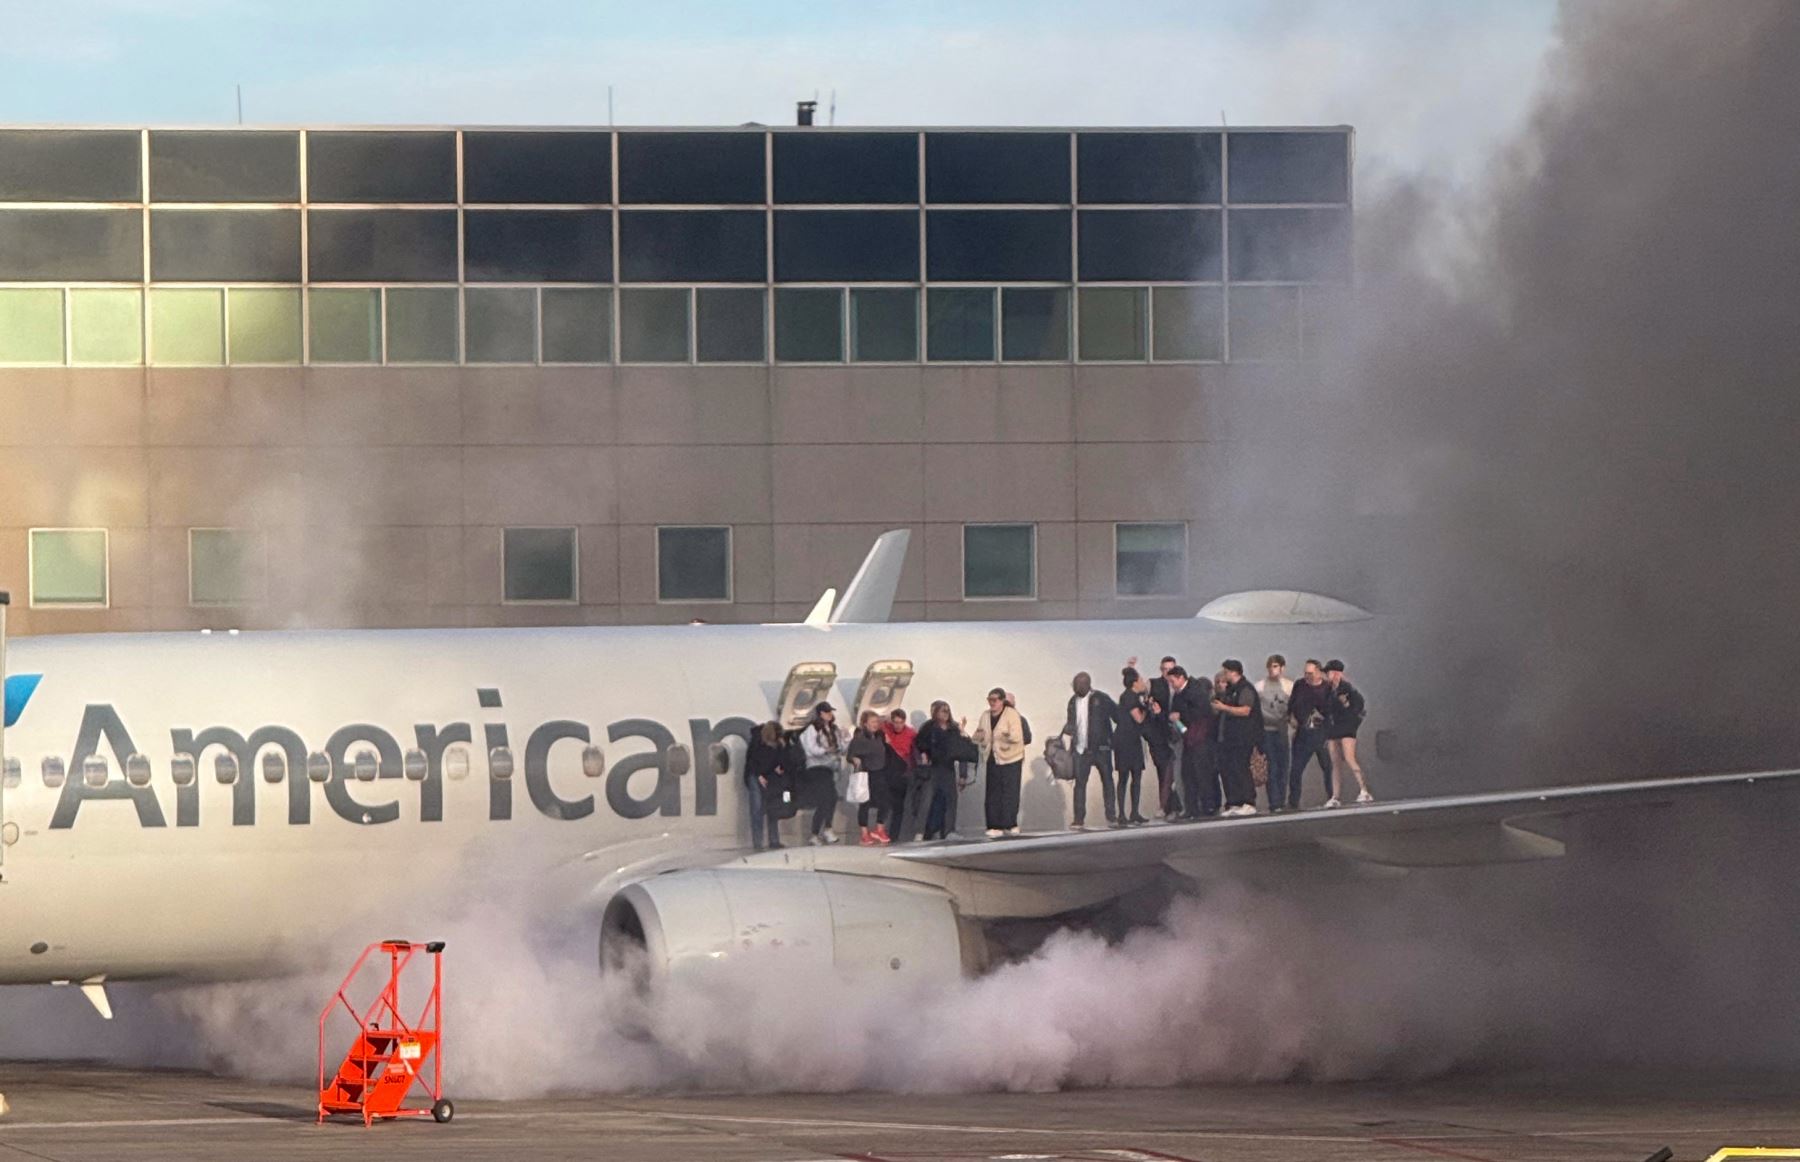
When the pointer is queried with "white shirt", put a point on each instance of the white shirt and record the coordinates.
(1081, 715)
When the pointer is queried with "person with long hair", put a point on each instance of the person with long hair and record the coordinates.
(868, 753)
(934, 773)
(1128, 744)
(1000, 733)
(766, 785)
(824, 747)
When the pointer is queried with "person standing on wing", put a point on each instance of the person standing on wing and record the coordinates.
(824, 747)
(1000, 733)
(1088, 730)
(1345, 710)
(1240, 730)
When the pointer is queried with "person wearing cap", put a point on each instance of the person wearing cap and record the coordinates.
(1088, 730)
(1272, 694)
(824, 747)
(1000, 733)
(1343, 718)
(1308, 703)
(1240, 732)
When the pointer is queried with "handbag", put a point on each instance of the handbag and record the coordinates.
(856, 790)
(1062, 763)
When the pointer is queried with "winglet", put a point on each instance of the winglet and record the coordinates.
(869, 599)
(821, 612)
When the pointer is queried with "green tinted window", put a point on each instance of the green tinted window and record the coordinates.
(1189, 322)
(693, 564)
(31, 326)
(728, 326)
(225, 566)
(1034, 323)
(106, 326)
(421, 325)
(1112, 323)
(960, 324)
(187, 327)
(1151, 560)
(999, 560)
(500, 326)
(345, 326)
(68, 567)
(264, 326)
(577, 325)
(653, 325)
(884, 324)
(809, 325)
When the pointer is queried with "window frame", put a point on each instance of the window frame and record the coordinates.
(730, 597)
(261, 539)
(963, 573)
(1186, 559)
(574, 597)
(31, 535)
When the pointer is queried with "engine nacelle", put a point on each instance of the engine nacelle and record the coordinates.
(692, 922)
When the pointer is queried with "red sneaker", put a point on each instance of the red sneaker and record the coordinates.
(867, 840)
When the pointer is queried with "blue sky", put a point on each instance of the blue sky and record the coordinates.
(1430, 84)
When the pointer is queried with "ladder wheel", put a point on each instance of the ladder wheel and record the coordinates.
(442, 1111)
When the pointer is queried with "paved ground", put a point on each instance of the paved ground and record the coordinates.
(91, 1113)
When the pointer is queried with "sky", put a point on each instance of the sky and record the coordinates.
(1429, 84)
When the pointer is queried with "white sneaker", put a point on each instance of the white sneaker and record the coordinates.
(814, 841)
(1077, 827)
(1333, 802)
(1012, 831)
(829, 835)
(1246, 810)
(994, 833)
(1365, 797)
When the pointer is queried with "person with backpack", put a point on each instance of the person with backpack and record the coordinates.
(1002, 735)
(1344, 714)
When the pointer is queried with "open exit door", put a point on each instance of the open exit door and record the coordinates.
(807, 685)
(883, 687)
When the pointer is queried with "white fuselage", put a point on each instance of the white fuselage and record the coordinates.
(210, 879)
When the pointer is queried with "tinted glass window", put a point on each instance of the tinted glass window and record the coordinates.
(692, 246)
(997, 245)
(691, 168)
(959, 324)
(106, 326)
(728, 325)
(537, 245)
(846, 167)
(577, 325)
(1147, 167)
(847, 246)
(226, 566)
(382, 245)
(381, 167)
(528, 168)
(1290, 167)
(653, 325)
(68, 567)
(997, 167)
(345, 325)
(1034, 323)
(225, 245)
(884, 324)
(224, 167)
(1188, 322)
(1112, 322)
(693, 564)
(500, 325)
(539, 564)
(1160, 245)
(72, 245)
(1151, 560)
(57, 165)
(1265, 322)
(263, 324)
(421, 325)
(809, 325)
(999, 560)
(31, 325)
(1290, 245)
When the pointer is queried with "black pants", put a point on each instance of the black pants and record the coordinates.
(925, 784)
(821, 795)
(1086, 761)
(1308, 744)
(1200, 778)
(1003, 794)
(874, 809)
(1131, 785)
(1166, 759)
(1234, 771)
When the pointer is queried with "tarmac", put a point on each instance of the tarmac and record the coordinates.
(91, 1113)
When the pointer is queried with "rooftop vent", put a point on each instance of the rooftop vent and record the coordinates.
(803, 112)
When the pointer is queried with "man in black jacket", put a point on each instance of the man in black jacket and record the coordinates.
(1161, 740)
(1088, 732)
(1240, 729)
(1191, 718)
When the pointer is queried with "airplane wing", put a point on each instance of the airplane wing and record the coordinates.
(1451, 831)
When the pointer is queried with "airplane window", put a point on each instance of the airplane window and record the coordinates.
(94, 770)
(181, 769)
(225, 769)
(137, 771)
(680, 762)
(500, 762)
(53, 772)
(721, 758)
(274, 766)
(456, 762)
(365, 766)
(318, 767)
(415, 766)
(593, 762)
(12, 773)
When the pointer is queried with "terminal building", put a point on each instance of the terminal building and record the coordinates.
(498, 376)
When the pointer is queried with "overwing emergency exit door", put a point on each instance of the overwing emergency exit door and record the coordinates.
(807, 685)
(883, 687)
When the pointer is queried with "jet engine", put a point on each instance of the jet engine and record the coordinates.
(690, 923)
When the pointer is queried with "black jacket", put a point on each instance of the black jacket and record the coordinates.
(1194, 704)
(1156, 724)
(761, 760)
(938, 746)
(1241, 733)
(1307, 701)
(1100, 720)
(869, 751)
(1127, 731)
(1345, 705)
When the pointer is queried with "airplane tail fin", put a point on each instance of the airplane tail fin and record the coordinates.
(821, 610)
(869, 599)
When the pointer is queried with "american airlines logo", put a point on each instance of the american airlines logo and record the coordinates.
(361, 752)
(19, 689)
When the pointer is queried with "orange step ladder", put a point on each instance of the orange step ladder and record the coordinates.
(390, 1057)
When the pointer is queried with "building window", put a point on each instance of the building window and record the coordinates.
(1112, 323)
(187, 327)
(421, 325)
(653, 325)
(1265, 322)
(809, 325)
(959, 325)
(728, 325)
(884, 324)
(1150, 560)
(68, 567)
(538, 565)
(577, 324)
(31, 326)
(1034, 324)
(999, 561)
(500, 326)
(226, 567)
(1188, 322)
(345, 326)
(106, 327)
(263, 325)
(693, 563)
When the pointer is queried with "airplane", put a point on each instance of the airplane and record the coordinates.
(223, 805)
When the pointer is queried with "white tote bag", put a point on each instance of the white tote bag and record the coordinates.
(856, 788)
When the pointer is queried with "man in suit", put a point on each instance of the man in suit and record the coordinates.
(1088, 732)
(1164, 744)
